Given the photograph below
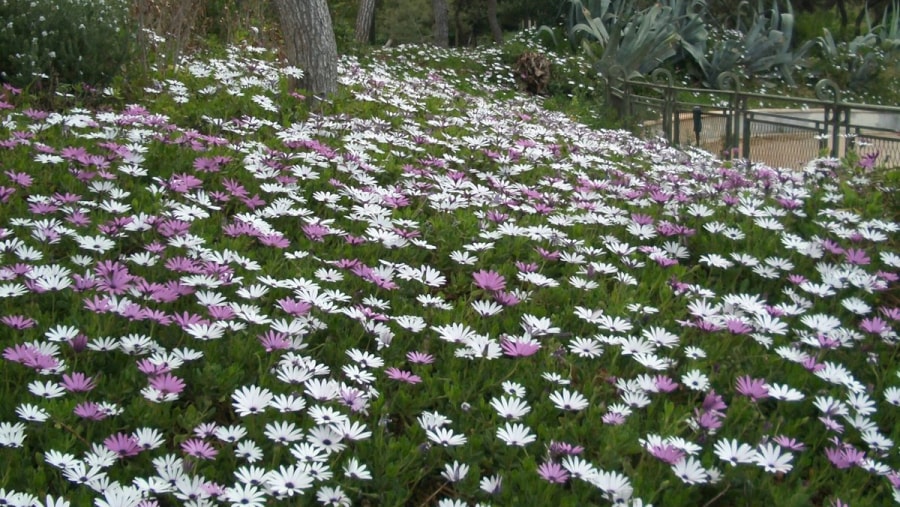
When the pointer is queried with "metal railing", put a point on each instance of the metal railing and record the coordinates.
(788, 132)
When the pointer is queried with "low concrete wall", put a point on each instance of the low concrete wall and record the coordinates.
(871, 119)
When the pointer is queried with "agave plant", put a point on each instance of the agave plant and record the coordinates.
(770, 48)
(888, 31)
(583, 20)
(592, 20)
(614, 33)
(851, 64)
(765, 49)
(725, 56)
(689, 18)
(640, 43)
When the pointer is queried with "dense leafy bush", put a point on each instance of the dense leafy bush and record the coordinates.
(403, 21)
(48, 42)
(764, 50)
(865, 66)
(533, 71)
(638, 40)
(850, 64)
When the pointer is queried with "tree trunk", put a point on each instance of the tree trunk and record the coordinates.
(365, 19)
(496, 31)
(309, 43)
(842, 10)
(457, 24)
(441, 23)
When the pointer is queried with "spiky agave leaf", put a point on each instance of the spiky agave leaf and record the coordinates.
(888, 31)
(592, 21)
(690, 25)
(641, 43)
(765, 48)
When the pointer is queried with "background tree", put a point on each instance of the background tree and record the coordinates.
(496, 31)
(441, 23)
(309, 43)
(521, 13)
(365, 20)
(404, 21)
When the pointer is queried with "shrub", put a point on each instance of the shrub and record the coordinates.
(850, 64)
(403, 22)
(49, 42)
(533, 71)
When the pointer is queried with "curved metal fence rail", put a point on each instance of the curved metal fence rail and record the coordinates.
(788, 132)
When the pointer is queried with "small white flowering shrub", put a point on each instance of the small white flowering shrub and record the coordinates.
(48, 42)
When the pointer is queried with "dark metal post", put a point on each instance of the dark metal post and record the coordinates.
(745, 148)
(822, 132)
(730, 82)
(730, 120)
(828, 90)
(836, 129)
(676, 124)
(698, 123)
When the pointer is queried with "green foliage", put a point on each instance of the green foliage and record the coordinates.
(810, 24)
(701, 39)
(403, 21)
(639, 44)
(888, 31)
(690, 25)
(343, 22)
(573, 87)
(888, 182)
(468, 23)
(725, 55)
(412, 21)
(48, 42)
(770, 46)
(867, 64)
(850, 65)
(594, 20)
(541, 12)
(635, 40)
(764, 51)
(230, 21)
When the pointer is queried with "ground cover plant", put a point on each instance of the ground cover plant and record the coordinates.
(429, 290)
(755, 44)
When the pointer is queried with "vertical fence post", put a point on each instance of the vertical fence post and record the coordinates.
(626, 93)
(729, 132)
(731, 83)
(823, 135)
(676, 127)
(670, 108)
(664, 76)
(615, 76)
(698, 123)
(850, 143)
(827, 89)
(745, 148)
